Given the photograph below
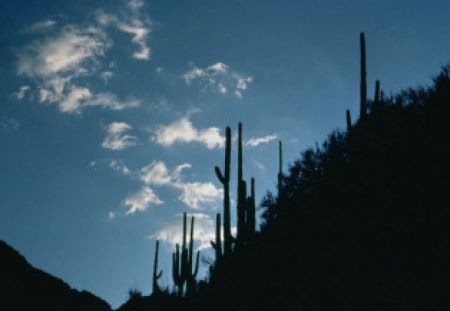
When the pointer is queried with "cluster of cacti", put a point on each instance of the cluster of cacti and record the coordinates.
(246, 206)
(156, 275)
(378, 94)
(183, 270)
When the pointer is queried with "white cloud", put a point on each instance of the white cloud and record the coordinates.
(74, 99)
(58, 60)
(140, 33)
(256, 141)
(22, 92)
(156, 173)
(68, 51)
(141, 200)
(41, 26)
(110, 101)
(120, 167)
(182, 131)
(195, 194)
(218, 78)
(132, 23)
(116, 138)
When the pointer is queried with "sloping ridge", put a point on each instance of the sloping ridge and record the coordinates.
(23, 287)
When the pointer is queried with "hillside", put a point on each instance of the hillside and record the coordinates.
(361, 222)
(23, 287)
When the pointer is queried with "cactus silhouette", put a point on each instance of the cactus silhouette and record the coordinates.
(156, 275)
(348, 118)
(363, 78)
(377, 95)
(183, 271)
(241, 194)
(280, 167)
(217, 244)
(224, 178)
(251, 211)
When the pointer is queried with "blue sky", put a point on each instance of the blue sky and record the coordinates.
(112, 113)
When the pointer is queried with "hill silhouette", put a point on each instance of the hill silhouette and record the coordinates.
(361, 222)
(23, 287)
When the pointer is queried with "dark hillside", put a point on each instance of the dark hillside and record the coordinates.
(361, 223)
(23, 287)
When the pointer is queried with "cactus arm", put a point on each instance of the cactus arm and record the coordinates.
(219, 175)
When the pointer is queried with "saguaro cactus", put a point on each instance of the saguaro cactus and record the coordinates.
(280, 168)
(225, 180)
(363, 78)
(251, 211)
(182, 266)
(241, 196)
(156, 275)
(217, 244)
(348, 118)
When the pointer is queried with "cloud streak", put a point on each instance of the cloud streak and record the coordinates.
(256, 141)
(116, 138)
(183, 131)
(218, 78)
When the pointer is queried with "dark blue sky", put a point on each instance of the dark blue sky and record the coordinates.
(112, 113)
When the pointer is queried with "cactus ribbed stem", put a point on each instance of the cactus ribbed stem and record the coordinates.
(225, 180)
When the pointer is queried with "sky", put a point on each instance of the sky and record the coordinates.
(112, 114)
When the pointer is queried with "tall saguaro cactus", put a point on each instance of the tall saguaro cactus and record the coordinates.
(241, 193)
(224, 178)
(363, 78)
(183, 271)
(156, 275)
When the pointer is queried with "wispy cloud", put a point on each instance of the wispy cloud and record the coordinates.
(218, 78)
(156, 174)
(116, 138)
(183, 131)
(256, 141)
(195, 194)
(21, 93)
(58, 62)
(134, 23)
(141, 200)
(41, 26)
